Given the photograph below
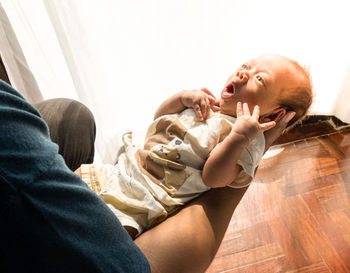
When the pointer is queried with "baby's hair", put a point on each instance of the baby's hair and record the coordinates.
(298, 99)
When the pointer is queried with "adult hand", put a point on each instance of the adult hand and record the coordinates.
(272, 134)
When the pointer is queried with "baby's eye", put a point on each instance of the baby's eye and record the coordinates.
(260, 79)
(245, 67)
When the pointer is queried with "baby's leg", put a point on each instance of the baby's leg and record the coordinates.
(132, 231)
(130, 224)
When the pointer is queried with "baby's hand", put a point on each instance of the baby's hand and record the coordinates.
(248, 125)
(200, 101)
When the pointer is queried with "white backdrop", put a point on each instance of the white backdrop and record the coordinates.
(123, 58)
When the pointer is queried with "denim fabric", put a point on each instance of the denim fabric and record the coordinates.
(50, 220)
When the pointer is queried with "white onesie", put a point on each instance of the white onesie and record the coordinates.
(152, 181)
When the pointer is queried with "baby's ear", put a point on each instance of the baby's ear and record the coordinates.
(276, 115)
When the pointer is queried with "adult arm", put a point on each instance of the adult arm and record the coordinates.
(189, 240)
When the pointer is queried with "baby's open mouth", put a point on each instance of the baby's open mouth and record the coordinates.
(228, 91)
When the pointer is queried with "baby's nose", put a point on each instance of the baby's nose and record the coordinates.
(243, 76)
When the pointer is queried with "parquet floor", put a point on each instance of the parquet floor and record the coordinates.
(295, 217)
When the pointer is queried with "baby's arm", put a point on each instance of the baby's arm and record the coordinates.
(221, 167)
(199, 100)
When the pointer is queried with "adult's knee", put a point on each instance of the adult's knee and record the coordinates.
(72, 127)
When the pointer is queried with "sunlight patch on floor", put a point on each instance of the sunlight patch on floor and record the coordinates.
(273, 152)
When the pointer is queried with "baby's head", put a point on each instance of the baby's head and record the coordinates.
(275, 83)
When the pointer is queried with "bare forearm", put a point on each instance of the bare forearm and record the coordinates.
(170, 106)
(221, 167)
(184, 247)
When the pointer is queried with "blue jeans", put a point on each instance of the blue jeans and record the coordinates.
(50, 221)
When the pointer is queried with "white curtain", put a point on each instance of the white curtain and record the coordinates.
(15, 62)
(123, 58)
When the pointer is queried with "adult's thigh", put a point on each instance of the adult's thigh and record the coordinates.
(72, 127)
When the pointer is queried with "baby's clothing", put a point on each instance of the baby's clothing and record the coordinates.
(149, 183)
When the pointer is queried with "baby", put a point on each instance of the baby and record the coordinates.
(198, 142)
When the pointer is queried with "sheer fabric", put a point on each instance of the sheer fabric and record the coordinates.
(123, 58)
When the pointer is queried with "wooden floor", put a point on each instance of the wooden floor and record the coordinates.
(295, 217)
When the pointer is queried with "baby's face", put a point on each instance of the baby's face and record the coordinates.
(259, 82)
